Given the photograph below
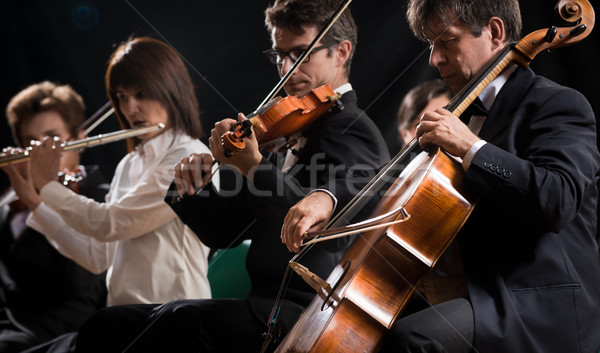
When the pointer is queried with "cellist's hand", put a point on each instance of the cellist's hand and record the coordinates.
(444, 129)
(193, 172)
(310, 214)
(246, 159)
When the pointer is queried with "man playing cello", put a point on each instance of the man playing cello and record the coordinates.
(528, 275)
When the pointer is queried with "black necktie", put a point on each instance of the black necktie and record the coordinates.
(476, 108)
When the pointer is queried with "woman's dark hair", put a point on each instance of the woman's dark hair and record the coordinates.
(157, 70)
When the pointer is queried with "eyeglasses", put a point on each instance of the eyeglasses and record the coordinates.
(278, 57)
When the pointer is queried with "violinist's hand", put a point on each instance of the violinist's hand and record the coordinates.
(245, 160)
(45, 162)
(20, 179)
(193, 172)
(444, 129)
(310, 214)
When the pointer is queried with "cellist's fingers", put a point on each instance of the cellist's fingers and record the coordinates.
(289, 228)
(310, 214)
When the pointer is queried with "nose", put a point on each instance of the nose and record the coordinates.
(129, 106)
(285, 66)
(436, 56)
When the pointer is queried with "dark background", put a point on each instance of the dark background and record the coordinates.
(69, 41)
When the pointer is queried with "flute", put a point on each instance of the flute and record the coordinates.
(97, 140)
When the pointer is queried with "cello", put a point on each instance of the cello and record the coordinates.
(369, 288)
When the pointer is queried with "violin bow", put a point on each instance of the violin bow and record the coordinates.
(274, 330)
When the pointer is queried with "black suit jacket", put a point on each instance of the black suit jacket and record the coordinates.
(529, 248)
(341, 142)
(44, 292)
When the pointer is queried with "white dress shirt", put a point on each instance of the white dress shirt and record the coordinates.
(150, 255)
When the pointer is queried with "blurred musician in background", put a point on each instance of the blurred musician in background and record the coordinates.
(150, 255)
(43, 294)
(424, 97)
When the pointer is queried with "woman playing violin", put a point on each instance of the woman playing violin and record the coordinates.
(44, 294)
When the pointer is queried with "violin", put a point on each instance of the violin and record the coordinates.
(278, 117)
(371, 285)
(281, 117)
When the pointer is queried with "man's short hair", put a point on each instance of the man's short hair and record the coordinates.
(294, 14)
(42, 97)
(475, 13)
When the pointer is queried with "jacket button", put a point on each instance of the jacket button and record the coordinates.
(493, 168)
(487, 164)
(506, 174)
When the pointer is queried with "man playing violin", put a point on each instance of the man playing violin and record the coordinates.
(43, 293)
(340, 142)
(527, 278)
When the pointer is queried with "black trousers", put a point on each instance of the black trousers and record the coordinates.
(232, 325)
(13, 337)
(205, 325)
(447, 327)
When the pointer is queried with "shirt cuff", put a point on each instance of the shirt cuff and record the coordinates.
(54, 194)
(41, 218)
(466, 163)
(328, 193)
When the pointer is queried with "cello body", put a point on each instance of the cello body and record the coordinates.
(380, 271)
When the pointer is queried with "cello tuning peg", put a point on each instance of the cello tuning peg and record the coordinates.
(551, 34)
(578, 30)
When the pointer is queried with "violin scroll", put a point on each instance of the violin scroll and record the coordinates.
(233, 141)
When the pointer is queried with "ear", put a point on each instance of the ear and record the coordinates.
(343, 52)
(498, 32)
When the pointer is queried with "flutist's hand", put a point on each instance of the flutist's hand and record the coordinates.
(193, 172)
(45, 162)
(20, 180)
